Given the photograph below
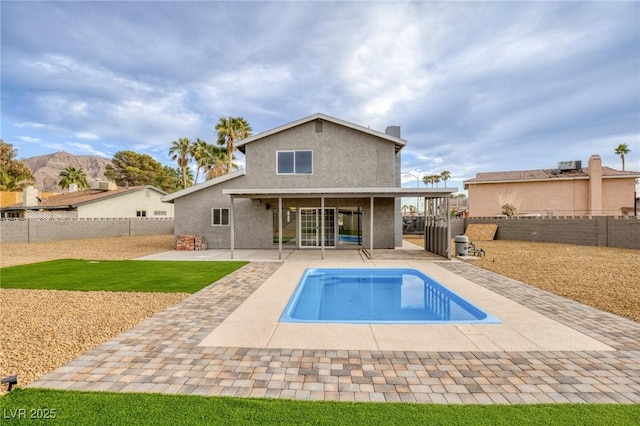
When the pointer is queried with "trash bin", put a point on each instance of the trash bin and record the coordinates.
(462, 245)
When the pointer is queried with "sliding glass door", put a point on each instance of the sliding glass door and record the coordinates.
(310, 227)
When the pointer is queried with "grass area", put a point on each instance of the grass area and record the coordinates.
(102, 408)
(116, 275)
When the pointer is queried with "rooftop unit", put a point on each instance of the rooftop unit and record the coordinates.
(565, 166)
(104, 185)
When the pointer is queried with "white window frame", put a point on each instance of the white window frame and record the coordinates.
(294, 162)
(220, 209)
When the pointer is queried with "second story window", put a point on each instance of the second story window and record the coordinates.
(294, 162)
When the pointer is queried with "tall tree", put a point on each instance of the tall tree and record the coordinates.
(14, 174)
(181, 151)
(427, 179)
(231, 130)
(200, 153)
(132, 169)
(622, 150)
(445, 176)
(217, 162)
(73, 175)
(186, 177)
(436, 179)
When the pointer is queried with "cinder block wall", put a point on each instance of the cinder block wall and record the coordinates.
(603, 231)
(34, 230)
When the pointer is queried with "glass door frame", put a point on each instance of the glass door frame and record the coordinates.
(302, 212)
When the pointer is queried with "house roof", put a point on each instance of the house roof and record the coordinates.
(75, 199)
(341, 192)
(399, 142)
(545, 174)
(203, 185)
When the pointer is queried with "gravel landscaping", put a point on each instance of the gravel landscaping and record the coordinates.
(41, 330)
(606, 278)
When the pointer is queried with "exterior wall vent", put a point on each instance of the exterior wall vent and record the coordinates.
(319, 126)
(565, 166)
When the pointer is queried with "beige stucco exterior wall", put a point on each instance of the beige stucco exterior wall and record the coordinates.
(567, 197)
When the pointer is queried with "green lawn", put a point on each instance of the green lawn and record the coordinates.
(117, 275)
(102, 408)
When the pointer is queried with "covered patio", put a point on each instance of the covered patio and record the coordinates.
(438, 231)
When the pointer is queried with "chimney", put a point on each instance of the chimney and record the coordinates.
(29, 196)
(595, 185)
(393, 131)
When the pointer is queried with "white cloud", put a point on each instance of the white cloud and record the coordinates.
(86, 135)
(30, 139)
(83, 148)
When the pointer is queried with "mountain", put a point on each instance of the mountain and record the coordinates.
(47, 168)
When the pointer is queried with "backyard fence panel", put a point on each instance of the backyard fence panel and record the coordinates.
(604, 231)
(40, 230)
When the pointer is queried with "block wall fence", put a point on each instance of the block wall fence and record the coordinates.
(37, 230)
(603, 231)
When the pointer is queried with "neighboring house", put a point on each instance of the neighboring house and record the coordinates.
(9, 198)
(569, 190)
(336, 185)
(108, 202)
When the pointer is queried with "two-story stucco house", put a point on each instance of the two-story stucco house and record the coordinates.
(318, 182)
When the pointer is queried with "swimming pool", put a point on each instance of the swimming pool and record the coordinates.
(378, 296)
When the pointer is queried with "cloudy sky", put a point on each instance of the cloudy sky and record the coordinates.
(475, 86)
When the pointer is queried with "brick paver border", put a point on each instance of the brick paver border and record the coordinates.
(161, 355)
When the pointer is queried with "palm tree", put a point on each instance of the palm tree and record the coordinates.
(199, 151)
(436, 179)
(181, 151)
(230, 130)
(622, 150)
(72, 175)
(186, 177)
(217, 162)
(427, 179)
(445, 176)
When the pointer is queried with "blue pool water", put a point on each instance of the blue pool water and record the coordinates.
(393, 295)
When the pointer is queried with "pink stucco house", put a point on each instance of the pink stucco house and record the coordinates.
(569, 190)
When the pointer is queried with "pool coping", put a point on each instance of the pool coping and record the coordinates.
(162, 354)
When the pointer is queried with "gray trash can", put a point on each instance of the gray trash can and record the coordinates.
(462, 245)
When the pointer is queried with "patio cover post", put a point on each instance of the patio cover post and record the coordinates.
(231, 230)
(448, 229)
(371, 227)
(322, 224)
(279, 227)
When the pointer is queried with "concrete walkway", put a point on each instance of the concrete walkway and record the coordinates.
(225, 340)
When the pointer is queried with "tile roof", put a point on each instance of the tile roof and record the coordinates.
(522, 175)
(74, 199)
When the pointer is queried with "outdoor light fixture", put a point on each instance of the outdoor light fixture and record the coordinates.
(11, 381)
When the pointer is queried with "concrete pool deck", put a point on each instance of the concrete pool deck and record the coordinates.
(254, 323)
(223, 340)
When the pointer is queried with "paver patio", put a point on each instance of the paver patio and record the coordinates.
(163, 354)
